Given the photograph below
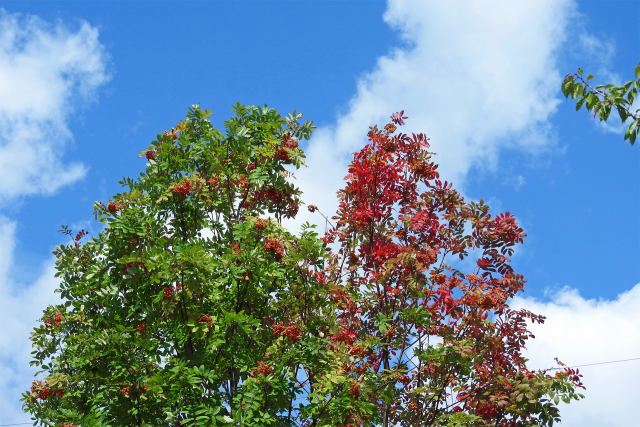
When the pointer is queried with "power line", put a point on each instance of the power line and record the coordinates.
(597, 363)
(18, 424)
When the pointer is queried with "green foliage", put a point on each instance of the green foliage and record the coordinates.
(167, 315)
(604, 98)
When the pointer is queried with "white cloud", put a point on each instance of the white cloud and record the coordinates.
(20, 306)
(44, 71)
(583, 331)
(475, 76)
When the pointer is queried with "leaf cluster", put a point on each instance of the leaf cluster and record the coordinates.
(604, 98)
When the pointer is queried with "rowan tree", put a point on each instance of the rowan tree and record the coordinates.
(422, 279)
(604, 98)
(195, 306)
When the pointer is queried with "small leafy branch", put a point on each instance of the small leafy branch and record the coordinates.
(601, 99)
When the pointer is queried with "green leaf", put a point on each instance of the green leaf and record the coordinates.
(632, 131)
(622, 113)
(567, 86)
(637, 71)
(592, 99)
(577, 91)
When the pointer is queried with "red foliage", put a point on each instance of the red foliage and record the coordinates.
(54, 320)
(183, 189)
(291, 331)
(113, 207)
(261, 224)
(263, 369)
(130, 391)
(283, 154)
(273, 246)
(289, 142)
(393, 284)
(43, 390)
(205, 318)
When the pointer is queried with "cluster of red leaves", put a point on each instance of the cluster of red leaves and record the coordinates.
(290, 331)
(573, 374)
(344, 335)
(150, 155)
(128, 391)
(263, 369)
(54, 320)
(183, 189)
(280, 198)
(129, 267)
(169, 291)
(288, 141)
(273, 246)
(283, 153)
(205, 318)
(43, 390)
(113, 207)
(354, 389)
(213, 182)
(261, 224)
(80, 234)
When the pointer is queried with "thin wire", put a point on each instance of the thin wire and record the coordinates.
(19, 424)
(597, 363)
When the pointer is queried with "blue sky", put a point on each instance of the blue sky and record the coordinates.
(85, 86)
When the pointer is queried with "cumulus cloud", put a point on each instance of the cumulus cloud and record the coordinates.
(44, 71)
(475, 76)
(21, 305)
(478, 77)
(584, 331)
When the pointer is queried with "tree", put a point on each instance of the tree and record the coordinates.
(194, 306)
(432, 345)
(601, 99)
(189, 307)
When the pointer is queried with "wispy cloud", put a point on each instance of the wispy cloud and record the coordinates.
(584, 331)
(21, 305)
(45, 71)
(476, 76)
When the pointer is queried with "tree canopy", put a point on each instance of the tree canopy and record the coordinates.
(195, 306)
